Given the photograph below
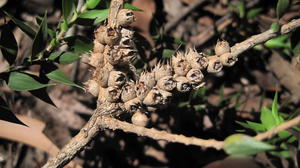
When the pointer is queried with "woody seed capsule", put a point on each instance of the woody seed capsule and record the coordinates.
(96, 59)
(166, 97)
(139, 119)
(180, 64)
(214, 64)
(196, 60)
(101, 76)
(92, 87)
(183, 84)
(166, 83)
(228, 59)
(194, 76)
(112, 94)
(132, 105)
(116, 78)
(161, 70)
(148, 79)
(222, 47)
(141, 90)
(154, 97)
(128, 91)
(98, 47)
(125, 17)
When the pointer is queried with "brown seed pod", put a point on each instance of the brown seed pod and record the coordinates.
(96, 59)
(92, 87)
(112, 94)
(183, 84)
(127, 33)
(127, 54)
(116, 78)
(196, 60)
(141, 90)
(151, 108)
(101, 76)
(166, 97)
(106, 35)
(154, 97)
(148, 79)
(194, 76)
(125, 17)
(161, 70)
(126, 42)
(222, 47)
(111, 55)
(128, 91)
(228, 59)
(166, 83)
(98, 47)
(180, 64)
(214, 64)
(139, 119)
(132, 105)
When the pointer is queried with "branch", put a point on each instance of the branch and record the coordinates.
(284, 126)
(96, 121)
(263, 37)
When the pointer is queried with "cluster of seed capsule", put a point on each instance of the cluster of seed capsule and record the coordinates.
(116, 84)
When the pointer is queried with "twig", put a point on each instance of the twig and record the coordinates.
(112, 123)
(284, 126)
(263, 37)
(96, 121)
(182, 14)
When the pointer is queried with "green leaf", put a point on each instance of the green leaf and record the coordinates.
(8, 44)
(40, 40)
(241, 9)
(253, 13)
(54, 55)
(278, 42)
(281, 7)
(167, 53)
(275, 26)
(258, 127)
(23, 82)
(68, 57)
(267, 118)
(25, 28)
(239, 144)
(93, 14)
(131, 7)
(68, 9)
(90, 4)
(82, 47)
(275, 109)
(58, 76)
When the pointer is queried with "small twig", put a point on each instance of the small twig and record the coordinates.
(182, 14)
(263, 37)
(112, 123)
(284, 126)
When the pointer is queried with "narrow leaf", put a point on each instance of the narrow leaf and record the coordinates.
(167, 53)
(7, 115)
(54, 55)
(40, 40)
(25, 28)
(82, 47)
(275, 109)
(59, 76)
(93, 14)
(130, 6)
(253, 13)
(90, 4)
(281, 7)
(8, 45)
(68, 57)
(239, 144)
(267, 118)
(275, 27)
(68, 8)
(23, 82)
